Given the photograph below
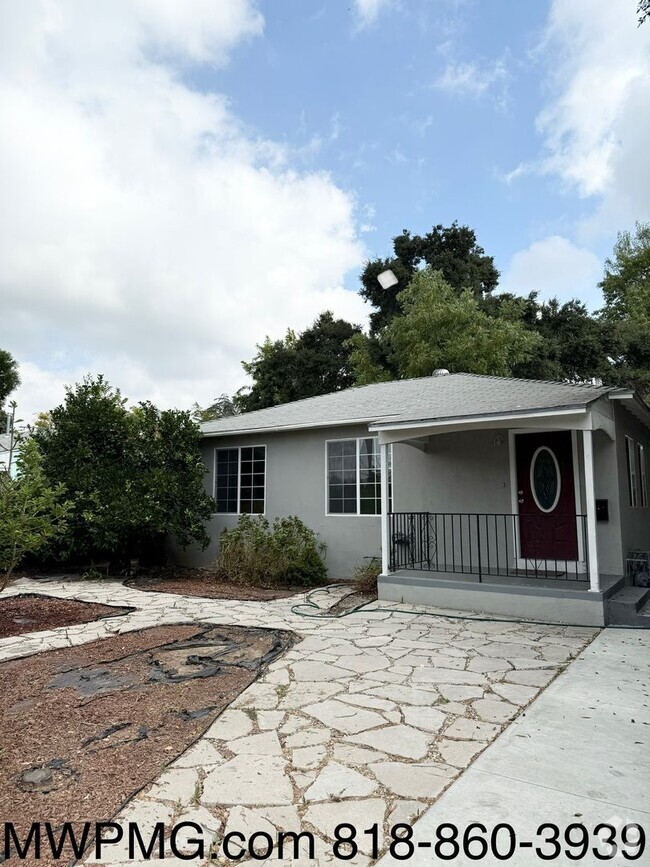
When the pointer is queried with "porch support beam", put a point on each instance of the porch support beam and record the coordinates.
(385, 541)
(590, 504)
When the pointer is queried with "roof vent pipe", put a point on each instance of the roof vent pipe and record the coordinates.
(440, 371)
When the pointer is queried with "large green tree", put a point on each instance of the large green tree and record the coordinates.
(440, 327)
(9, 377)
(315, 362)
(626, 289)
(574, 344)
(133, 476)
(452, 250)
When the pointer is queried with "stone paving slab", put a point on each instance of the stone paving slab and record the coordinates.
(368, 718)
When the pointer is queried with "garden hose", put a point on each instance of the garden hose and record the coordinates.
(308, 603)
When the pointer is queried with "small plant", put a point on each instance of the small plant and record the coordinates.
(251, 713)
(281, 690)
(365, 577)
(258, 554)
(196, 797)
(32, 511)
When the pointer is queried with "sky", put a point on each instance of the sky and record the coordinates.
(181, 178)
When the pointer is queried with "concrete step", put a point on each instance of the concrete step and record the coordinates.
(628, 607)
(645, 611)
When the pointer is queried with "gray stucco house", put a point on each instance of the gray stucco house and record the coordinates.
(481, 493)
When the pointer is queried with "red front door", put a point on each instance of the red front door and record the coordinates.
(546, 494)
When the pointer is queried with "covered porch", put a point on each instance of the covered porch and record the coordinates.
(515, 514)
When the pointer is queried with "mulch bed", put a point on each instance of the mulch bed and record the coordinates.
(196, 582)
(99, 721)
(32, 612)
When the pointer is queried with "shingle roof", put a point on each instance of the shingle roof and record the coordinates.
(456, 396)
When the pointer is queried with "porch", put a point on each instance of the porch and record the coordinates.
(499, 516)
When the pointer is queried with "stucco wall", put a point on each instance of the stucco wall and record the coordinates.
(460, 472)
(295, 485)
(635, 523)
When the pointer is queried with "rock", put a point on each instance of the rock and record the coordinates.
(306, 758)
(265, 744)
(337, 781)
(471, 729)
(515, 693)
(427, 718)
(344, 717)
(413, 781)
(37, 778)
(231, 724)
(398, 740)
(491, 710)
(249, 780)
(308, 738)
(459, 753)
(361, 814)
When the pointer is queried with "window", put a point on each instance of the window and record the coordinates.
(354, 477)
(631, 472)
(240, 480)
(643, 475)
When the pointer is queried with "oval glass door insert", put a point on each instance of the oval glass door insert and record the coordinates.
(545, 481)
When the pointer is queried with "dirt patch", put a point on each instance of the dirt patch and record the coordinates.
(353, 600)
(83, 729)
(32, 612)
(200, 583)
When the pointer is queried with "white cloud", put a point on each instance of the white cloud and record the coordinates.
(471, 79)
(367, 11)
(596, 123)
(555, 268)
(146, 235)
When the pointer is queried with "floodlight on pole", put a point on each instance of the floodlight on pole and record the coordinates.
(387, 279)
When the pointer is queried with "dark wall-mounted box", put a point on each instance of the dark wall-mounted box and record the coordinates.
(602, 510)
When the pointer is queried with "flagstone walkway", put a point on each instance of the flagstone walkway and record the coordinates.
(368, 719)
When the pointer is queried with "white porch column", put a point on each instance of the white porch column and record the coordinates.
(383, 451)
(592, 545)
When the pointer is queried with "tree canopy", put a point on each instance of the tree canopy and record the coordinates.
(317, 361)
(452, 250)
(440, 327)
(9, 377)
(133, 476)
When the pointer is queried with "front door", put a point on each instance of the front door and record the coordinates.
(546, 495)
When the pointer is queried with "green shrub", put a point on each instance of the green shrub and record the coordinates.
(287, 553)
(365, 577)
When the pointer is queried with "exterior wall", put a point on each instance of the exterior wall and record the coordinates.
(459, 472)
(295, 485)
(635, 523)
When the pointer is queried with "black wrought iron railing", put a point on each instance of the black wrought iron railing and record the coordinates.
(484, 544)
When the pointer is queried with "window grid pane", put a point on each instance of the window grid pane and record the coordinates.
(240, 480)
(251, 491)
(354, 477)
(643, 473)
(227, 465)
(631, 472)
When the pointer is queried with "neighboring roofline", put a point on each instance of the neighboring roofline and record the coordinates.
(286, 427)
(475, 419)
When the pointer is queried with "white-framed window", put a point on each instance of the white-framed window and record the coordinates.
(643, 474)
(240, 480)
(354, 476)
(630, 454)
